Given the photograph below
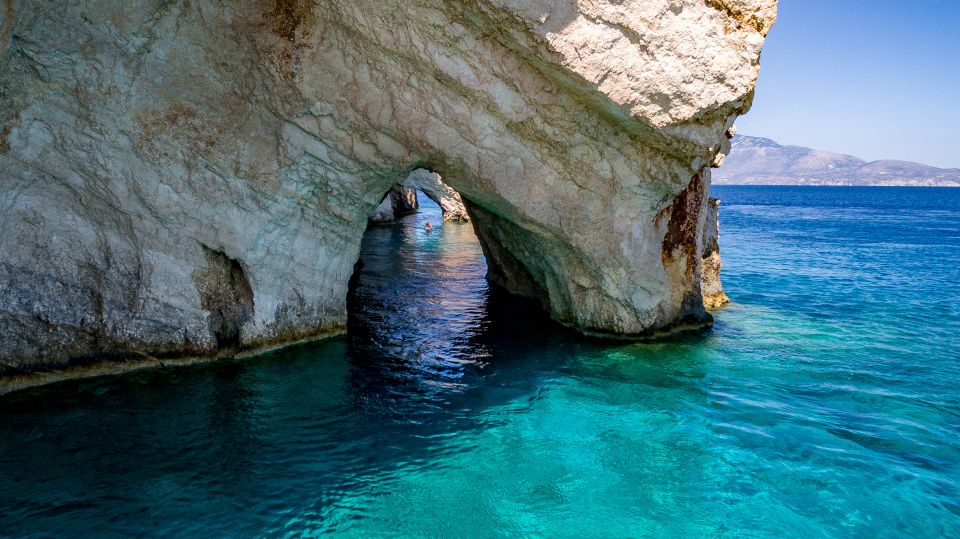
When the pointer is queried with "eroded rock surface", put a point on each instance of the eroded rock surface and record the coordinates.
(713, 295)
(399, 201)
(137, 138)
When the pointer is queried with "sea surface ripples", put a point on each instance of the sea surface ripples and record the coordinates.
(826, 402)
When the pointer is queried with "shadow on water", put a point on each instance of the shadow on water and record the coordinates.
(430, 342)
(433, 352)
(451, 406)
(427, 331)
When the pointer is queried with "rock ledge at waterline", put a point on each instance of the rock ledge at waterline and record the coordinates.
(193, 178)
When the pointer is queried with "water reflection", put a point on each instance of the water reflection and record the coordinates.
(438, 370)
(454, 408)
(425, 325)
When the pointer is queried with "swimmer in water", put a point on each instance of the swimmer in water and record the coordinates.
(427, 226)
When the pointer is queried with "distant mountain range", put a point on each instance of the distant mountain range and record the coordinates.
(761, 161)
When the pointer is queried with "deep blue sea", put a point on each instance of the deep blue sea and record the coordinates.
(825, 403)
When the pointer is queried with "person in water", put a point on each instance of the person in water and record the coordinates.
(427, 226)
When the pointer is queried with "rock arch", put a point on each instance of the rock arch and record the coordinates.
(402, 198)
(580, 135)
(431, 184)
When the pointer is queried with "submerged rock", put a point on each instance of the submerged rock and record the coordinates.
(138, 138)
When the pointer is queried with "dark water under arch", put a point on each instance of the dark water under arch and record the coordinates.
(824, 403)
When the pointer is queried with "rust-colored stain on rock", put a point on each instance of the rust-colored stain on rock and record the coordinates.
(4, 142)
(682, 228)
(756, 21)
(288, 15)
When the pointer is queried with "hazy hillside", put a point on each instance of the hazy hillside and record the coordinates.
(756, 160)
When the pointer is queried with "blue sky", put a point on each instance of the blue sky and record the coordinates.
(879, 79)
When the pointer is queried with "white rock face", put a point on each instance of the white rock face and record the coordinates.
(194, 178)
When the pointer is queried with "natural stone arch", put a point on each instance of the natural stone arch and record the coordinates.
(402, 198)
(580, 135)
(432, 185)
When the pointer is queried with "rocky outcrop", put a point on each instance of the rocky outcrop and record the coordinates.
(399, 201)
(189, 178)
(713, 295)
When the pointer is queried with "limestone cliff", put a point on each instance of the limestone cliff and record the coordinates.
(194, 178)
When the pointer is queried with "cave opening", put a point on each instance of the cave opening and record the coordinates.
(422, 310)
(431, 308)
(419, 296)
(402, 199)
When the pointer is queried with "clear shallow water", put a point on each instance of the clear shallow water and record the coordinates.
(826, 402)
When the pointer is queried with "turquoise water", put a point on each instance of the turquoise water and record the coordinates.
(826, 403)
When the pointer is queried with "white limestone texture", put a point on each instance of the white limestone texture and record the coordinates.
(186, 178)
